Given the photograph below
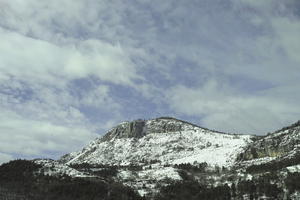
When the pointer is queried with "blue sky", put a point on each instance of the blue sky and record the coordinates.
(71, 70)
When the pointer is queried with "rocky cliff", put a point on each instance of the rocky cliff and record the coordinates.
(140, 128)
(279, 144)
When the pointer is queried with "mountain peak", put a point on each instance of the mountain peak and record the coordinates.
(164, 140)
(139, 128)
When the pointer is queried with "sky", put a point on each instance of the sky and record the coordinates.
(70, 70)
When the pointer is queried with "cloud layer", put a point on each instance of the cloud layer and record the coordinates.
(70, 70)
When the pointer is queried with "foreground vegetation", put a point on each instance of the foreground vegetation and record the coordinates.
(19, 180)
(22, 180)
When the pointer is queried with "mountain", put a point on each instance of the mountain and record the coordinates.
(281, 143)
(163, 140)
(279, 149)
(167, 158)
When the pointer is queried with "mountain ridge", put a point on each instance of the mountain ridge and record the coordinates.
(140, 132)
(157, 157)
(178, 120)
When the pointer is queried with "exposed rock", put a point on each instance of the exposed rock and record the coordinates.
(132, 129)
(277, 144)
(140, 128)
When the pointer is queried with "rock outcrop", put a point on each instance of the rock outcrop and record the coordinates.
(140, 128)
(132, 129)
(278, 144)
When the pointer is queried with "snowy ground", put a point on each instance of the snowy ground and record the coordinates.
(148, 180)
(53, 168)
(190, 145)
(295, 168)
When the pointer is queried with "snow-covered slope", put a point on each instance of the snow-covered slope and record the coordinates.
(163, 140)
(54, 168)
(150, 154)
(157, 146)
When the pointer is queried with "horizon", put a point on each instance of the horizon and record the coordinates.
(195, 124)
(162, 117)
(69, 70)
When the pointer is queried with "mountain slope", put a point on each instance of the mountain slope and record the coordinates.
(281, 147)
(164, 140)
(167, 158)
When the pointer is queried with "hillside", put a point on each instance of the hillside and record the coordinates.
(167, 158)
(163, 140)
(276, 150)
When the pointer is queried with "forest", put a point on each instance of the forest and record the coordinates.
(22, 180)
(19, 180)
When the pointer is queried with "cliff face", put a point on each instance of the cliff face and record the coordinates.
(140, 128)
(279, 144)
(126, 130)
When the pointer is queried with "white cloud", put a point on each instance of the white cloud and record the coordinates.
(287, 31)
(224, 109)
(99, 98)
(29, 58)
(43, 119)
(28, 137)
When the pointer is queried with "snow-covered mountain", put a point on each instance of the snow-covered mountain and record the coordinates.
(154, 147)
(163, 140)
(158, 146)
(159, 156)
